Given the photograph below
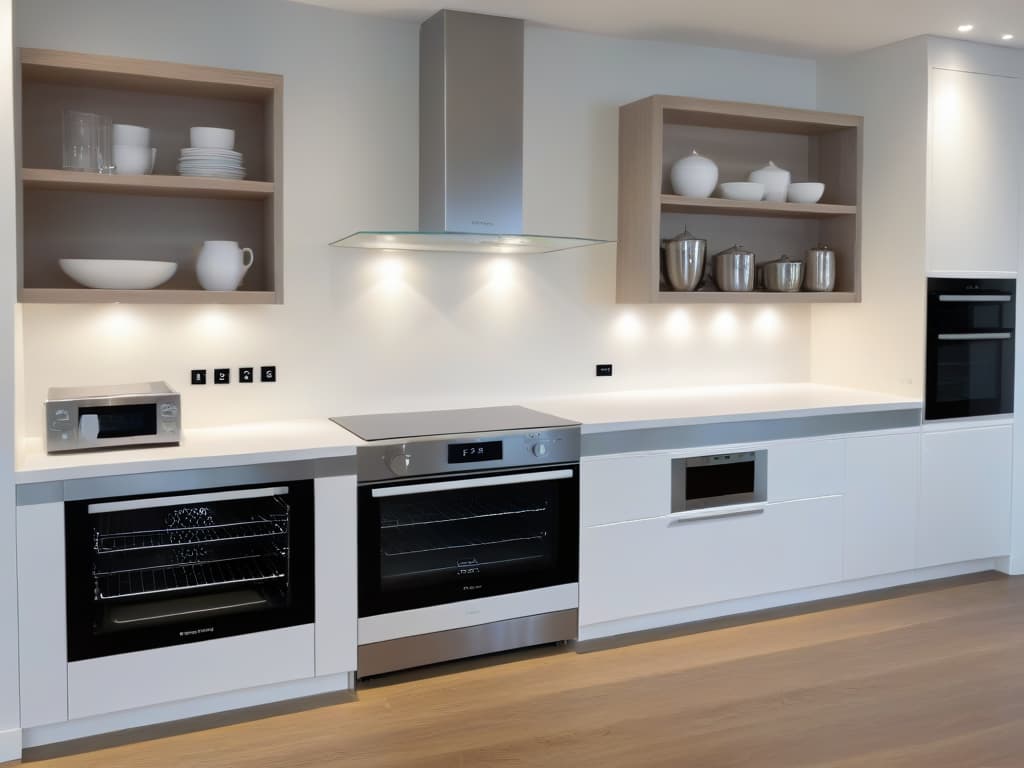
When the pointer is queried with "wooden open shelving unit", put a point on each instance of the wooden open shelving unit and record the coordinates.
(814, 146)
(71, 214)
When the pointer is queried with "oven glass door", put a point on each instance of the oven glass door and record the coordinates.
(145, 572)
(969, 375)
(429, 542)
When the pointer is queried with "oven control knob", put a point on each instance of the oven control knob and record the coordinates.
(400, 463)
(540, 450)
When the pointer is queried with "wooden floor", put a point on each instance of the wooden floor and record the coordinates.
(926, 678)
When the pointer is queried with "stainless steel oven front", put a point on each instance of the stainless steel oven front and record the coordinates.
(492, 523)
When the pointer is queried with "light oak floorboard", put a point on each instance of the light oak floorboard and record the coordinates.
(931, 678)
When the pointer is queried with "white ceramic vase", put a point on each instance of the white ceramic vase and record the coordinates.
(775, 180)
(222, 265)
(694, 176)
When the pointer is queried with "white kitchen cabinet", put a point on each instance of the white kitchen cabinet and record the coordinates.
(806, 469)
(974, 164)
(880, 511)
(667, 563)
(619, 488)
(965, 495)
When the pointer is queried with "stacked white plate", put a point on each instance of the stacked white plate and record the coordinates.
(219, 163)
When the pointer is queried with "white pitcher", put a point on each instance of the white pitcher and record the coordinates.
(222, 265)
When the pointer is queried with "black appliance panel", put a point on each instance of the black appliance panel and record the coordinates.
(143, 575)
(433, 547)
(970, 347)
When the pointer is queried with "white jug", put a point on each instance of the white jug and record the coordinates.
(222, 265)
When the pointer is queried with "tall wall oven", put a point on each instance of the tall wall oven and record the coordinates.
(970, 347)
(147, 571)
(468, 534)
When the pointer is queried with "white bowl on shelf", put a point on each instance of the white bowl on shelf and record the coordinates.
(805, 192)
(131, 135)
(118, 274)
(748, 191)
(212, 138)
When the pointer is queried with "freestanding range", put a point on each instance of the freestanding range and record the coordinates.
(468, 533)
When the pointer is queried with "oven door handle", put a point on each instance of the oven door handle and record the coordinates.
(965, 298)
(974, 336)
(471, 482)
(195, 498)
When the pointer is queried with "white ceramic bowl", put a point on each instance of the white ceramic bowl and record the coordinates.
(132, 160)
(118, 274)
(212, 138)
(131, 135)
(742, 190)
(806, 192)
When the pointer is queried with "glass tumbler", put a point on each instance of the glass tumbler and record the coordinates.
(82, 141)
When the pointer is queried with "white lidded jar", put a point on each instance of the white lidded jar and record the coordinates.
(694, 176)
(775, 180)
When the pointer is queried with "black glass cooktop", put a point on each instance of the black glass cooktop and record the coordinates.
(392, 426)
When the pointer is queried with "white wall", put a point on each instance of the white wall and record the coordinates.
(10, 739)
(879, 343)
(362, 332)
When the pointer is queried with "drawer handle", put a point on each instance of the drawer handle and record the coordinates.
(712, 514)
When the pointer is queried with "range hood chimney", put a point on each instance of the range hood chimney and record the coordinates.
(471, 143)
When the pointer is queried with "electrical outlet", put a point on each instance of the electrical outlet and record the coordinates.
(268, 373)
(604, 369)
(198, 375)
(221, 375)
(245, 375)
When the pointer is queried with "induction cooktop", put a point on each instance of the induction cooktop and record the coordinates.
(396, 426)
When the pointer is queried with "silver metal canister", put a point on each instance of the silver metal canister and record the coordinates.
(820, 269)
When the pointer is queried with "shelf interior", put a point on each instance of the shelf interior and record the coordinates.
(75, 224)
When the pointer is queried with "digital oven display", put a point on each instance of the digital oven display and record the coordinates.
(461, 453)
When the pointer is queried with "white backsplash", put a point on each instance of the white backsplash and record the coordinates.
(365, 332)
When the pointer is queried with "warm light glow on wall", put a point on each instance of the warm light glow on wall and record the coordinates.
(502, 274)
(118, 322)
(389, 272)
(629, 326)
(678, 324)
(946, 123)
(213, 322)
(768, 323)
(725, 326)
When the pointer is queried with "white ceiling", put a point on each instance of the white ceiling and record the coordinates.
(796, 27)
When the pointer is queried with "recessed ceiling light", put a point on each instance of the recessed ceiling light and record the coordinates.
(1007, 37)
(965, 28)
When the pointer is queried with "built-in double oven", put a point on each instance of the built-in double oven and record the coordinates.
(970, 347)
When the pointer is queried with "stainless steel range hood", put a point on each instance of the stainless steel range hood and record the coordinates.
(471, 143)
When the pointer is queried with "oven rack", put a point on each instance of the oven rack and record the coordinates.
(436, 512)
(431, 540)
(128, 541)
(457, 567)
(115, 563)
(184, 578)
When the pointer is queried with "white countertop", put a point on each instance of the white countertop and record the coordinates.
(652, 408)
(255, 443)
(297, 440)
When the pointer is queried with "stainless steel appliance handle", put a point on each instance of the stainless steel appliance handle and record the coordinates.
(472, 482)
(711, 514)
(194, 498)
(959, 297)
(973, 336)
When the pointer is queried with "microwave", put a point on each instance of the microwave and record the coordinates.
(724, 479)
(112, 416)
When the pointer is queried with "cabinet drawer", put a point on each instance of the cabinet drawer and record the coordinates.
(142, 678)
(806, 469)
(621, 488)
(664, 563)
